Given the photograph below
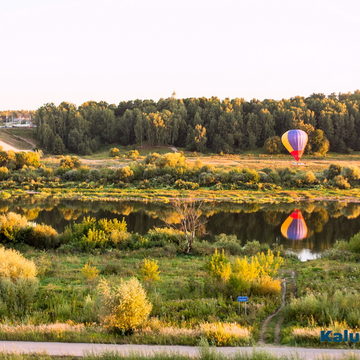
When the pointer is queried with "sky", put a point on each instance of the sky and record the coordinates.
(114, 50)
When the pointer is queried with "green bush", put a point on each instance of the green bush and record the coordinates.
(162, 236)
(354, 244)
(42, 237)
(186, 185)
(228, 243)
(17, 296)
(273, 145)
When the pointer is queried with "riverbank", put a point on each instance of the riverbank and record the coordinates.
(74, 191)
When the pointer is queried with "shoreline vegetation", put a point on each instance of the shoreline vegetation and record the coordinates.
(171, 175)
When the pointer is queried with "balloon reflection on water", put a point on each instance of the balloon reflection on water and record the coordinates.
(294, 227)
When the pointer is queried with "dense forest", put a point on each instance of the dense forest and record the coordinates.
(200, 124)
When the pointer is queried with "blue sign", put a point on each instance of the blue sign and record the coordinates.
(242, 298)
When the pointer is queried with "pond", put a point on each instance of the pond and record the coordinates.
(307, 228)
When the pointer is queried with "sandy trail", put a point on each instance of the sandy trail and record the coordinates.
(81, 349)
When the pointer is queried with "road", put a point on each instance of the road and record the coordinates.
(80, 349)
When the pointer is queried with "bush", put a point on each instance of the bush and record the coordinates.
(89, 272)
(17, 296)
(132, 154)
(11, 225)
(228, 243)
(4, 173)
(354, 243)
(124, 174)
(351, 173)
(332, 171)
(219, 266)
(186, 185)
(70, 162)
(149, 270)
(340, 182)
(14, 266)
(125, 307)
(161, 236)
(265, 285)
(114, 152)
(42, 236)
(273, 145)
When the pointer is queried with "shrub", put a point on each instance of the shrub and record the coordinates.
(332, 171)
(171, 160)
(225, 334)
(14, 266)
(70, 162)
(4, 173)
(124, 174)
(10, 226)
(265, 285)
(132, 154)
(89, 272)
(125, 307)
(42, 236)
(228, 243)
(27, 159)
(95, 238)
(273, 145)
(269, 263)
(237, 285)
(219, 266)
(186, 185)
(354, 243)
(340, 182)
(149, 270)
(114, 152)
(17, 296)
(351, 173)
(151, 158)
(161, 236)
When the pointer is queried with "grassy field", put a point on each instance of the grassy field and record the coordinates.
(249, 160)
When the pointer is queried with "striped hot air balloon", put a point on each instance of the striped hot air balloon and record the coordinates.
(295, 142)
(294, 227)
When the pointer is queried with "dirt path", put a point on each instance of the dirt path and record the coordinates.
(81, 349)
(288, 287)
(5, 146)
(265, 325)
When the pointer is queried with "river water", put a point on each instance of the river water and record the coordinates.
(321, 225)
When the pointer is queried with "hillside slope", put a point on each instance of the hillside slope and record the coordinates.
(17, 139)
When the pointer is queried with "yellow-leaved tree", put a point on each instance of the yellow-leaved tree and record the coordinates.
(124, 307)
(149, 270)
(219, 266)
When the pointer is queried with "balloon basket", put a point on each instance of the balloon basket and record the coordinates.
(298, 163)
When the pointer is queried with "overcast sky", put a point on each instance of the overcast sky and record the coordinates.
(113, 50)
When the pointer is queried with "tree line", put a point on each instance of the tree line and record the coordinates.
(200, 124)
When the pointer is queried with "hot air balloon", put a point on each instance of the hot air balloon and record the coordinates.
(294, 227)
(295, 142)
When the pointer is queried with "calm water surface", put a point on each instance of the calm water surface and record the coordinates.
(325, 222)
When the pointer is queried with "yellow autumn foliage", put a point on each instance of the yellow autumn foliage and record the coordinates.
(149, 270)
(125, 306)
(13, 265)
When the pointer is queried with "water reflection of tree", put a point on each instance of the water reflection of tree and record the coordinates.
(326, 221)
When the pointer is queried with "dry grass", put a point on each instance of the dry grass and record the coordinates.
(42, 329)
